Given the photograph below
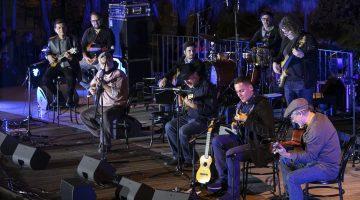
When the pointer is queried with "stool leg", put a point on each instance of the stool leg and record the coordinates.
(53, 110)
(152, 133)
(76, 119)
(71, 119)
(126, 136)
(57, 103)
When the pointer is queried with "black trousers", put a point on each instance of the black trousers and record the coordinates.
(49, 80)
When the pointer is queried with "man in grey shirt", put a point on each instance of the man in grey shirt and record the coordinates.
(320, 159)
(114, 96)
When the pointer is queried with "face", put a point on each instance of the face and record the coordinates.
(297, 117)
(106, 63)
(287, 33)
(244, 91)
(189, 53)
(95, 21)
(266, 20)
(192, 80)
(60, 29)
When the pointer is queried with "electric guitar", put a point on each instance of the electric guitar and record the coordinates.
(62, 56)
(203, 174)
(285, 63)
(96, 50)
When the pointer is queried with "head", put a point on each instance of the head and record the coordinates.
(95, 20)
(60, 27)
(266, 19)
(289, 27)
(192, 80)
(189, 50)
(244, 89)
(106, 61)
(298, 111)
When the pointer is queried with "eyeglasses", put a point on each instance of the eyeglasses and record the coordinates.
(265, 19)
(95, 20)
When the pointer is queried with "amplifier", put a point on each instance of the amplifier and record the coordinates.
(122, 11)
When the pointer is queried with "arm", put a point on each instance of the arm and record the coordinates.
(84, 43)
(314, 145)
(256, 37)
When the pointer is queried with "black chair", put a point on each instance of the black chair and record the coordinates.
(121, 125)
(339, 179)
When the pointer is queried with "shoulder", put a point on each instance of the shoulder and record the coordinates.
(52, 38)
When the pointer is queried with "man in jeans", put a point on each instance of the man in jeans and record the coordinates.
(320, 160)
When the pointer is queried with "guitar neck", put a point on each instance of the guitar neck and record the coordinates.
(207, 146)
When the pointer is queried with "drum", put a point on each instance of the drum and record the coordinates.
(263, 56)
(222, 72)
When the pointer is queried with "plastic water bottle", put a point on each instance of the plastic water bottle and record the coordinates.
(5, 125)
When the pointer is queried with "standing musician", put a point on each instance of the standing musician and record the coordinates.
(200, 104)
(299, 55)
(62, 54)
(268, 34)
(320, 160)
(170, 77)
(255, 125)
(114, 97)
(96, 39)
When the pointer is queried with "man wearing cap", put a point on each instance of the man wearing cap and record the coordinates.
(256, 116)
(171, 77)
(320, 158)
(200, 104)
(114, 96)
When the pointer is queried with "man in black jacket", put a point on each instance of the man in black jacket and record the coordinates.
(171, 77)
(299, 50)
(255, 125)
(65, 47)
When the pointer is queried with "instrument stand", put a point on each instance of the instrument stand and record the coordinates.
(193, 194)
(28, 136)
(99, 98)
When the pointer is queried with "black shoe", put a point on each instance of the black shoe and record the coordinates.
(217, 186)
(187, 164)
(172, 162)
(70, 103)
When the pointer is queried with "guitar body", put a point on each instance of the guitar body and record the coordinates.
(62, 56)
(96, 50)
(203, 174)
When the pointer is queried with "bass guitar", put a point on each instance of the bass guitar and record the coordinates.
(203, 174)
(286, 62)
(62, 56)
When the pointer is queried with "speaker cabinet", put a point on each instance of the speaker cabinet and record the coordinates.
(132, 190)
(76, 189)
(30, 157)
(8, 144)
(95, 170)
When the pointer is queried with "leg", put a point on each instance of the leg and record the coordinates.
(87, 117)
(170, 131)
(185, 133)
(48, 80)
(110, 114)
(70, 78)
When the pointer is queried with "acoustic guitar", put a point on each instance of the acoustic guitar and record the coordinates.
(62, 56)
(286, 62)
(295, 141)
(203, 174)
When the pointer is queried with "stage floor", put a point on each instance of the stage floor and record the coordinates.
(68, 142)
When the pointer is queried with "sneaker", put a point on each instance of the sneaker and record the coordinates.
(216, 186)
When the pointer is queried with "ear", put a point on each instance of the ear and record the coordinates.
(251, 87)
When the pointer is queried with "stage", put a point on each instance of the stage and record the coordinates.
(68, 142)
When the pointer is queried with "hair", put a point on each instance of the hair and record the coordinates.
(242, 80)
(266, 12)
(188, 44)
(96, 14)
(289, 23)
(59, 21)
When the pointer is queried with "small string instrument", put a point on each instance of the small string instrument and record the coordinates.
(62, 56)
(203, 174)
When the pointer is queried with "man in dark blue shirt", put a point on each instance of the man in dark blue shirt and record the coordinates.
(199, 105)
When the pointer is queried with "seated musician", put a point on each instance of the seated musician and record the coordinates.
(114, 97)
(62, 54)
(96, 39)
(255, 125)
(170, 77)
(200, 103)
(321, 157)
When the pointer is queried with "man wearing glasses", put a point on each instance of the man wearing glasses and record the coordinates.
(96, 39)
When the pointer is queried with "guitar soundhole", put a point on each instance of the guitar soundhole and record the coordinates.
(205, 164)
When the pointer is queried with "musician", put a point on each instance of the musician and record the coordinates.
(268, 34)
(255, 129)
(114, 97)
(95, 40)
(170, 77)
(200, 105)
(68, 66)
(302, 67)
(320, 159)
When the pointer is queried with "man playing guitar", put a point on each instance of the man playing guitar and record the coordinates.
(96, 39)
(255, 118)
(64, 59)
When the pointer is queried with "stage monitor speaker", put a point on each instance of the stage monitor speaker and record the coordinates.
(132, 39)
(95, 170)
(76, 189)
(162, 194)
(132, 190)
(30, 157)
(8, 144)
